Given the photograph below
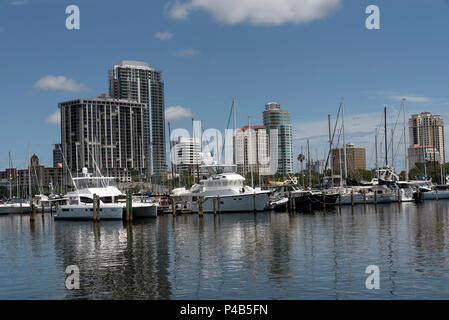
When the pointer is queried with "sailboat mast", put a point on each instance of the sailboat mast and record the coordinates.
(405, 139)
(344, 137)
(194, 156)
(330, 148)
(308, 162)
(250, 146)
(392, 148)
(386, 137)
(172, 157)
(10, 176)
(235, 132)
(375, 144)
(29, 172)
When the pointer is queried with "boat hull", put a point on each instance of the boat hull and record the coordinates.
(314, 201)
(432, 195)
(7, 209)
(234, 203)
(142, 210)
(85, 212)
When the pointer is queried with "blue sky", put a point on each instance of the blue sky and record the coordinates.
(305, 58)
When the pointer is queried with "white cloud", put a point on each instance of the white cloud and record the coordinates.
(59, 83)
(54, 118)
(177, 113)
(189, 52)
(164, 35)
(257, 12)
(412, 98)
(18, 2)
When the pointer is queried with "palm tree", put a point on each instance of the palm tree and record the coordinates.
(301, 159)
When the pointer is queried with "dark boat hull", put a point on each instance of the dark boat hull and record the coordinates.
(315, 201)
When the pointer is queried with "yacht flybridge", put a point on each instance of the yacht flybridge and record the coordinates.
(112, 201)
(226, 190)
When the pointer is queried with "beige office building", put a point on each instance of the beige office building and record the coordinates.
(355, 158)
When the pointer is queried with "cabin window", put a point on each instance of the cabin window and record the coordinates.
(106, 199)
(86, 200)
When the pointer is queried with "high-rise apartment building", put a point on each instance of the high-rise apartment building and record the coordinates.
(106, 134)
(355, 158)
(275, 119)
(252, 150)
(138, 81)
(426, 133)
(57, 156)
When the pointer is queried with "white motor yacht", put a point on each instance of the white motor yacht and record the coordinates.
(112, 201)
(228, 190)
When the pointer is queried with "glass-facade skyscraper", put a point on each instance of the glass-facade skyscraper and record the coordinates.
(276, 119)
(138, 81)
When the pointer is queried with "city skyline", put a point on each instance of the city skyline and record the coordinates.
(206, 61)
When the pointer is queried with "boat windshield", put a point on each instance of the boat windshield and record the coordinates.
(94, 182)
(219, 168)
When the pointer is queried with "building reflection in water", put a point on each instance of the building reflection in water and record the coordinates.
(320, 255)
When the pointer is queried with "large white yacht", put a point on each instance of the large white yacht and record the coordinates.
(227, 188)
(112, 201)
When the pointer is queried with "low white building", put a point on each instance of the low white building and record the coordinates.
(417, 153)
(185, 154)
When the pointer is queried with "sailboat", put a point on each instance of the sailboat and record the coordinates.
(14, 205)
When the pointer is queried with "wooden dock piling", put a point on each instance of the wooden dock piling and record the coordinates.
(352, 197)
(200, 206)
(173, 206)
(33, 212)
(215, 205)
(254, 201)
(129, 206)
(324, 200)
(219, 204)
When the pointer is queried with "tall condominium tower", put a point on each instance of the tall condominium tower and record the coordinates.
(104, 133)
(426, 138)
(276, 119)
(138, 81)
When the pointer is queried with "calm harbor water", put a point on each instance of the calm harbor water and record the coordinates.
(322, 255)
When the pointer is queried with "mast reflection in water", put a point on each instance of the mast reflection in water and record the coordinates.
(233, 256)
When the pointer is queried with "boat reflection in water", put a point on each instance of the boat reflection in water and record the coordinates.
(319, 255)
